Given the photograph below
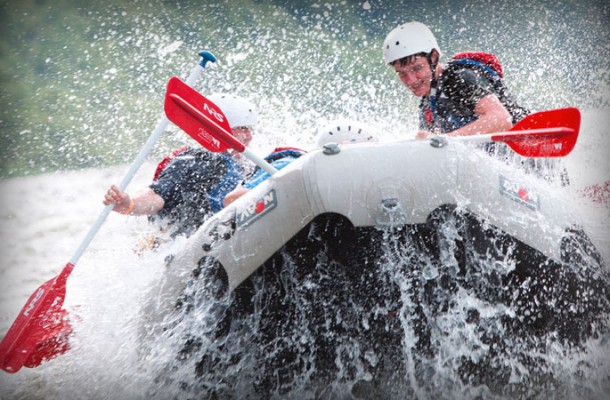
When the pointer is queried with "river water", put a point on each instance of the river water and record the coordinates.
(44, 217)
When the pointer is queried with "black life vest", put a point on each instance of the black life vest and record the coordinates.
(448, 118)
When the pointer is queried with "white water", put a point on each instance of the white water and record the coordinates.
(44, 218)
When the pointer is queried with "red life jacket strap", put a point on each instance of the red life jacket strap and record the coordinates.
(166, 160)
(278, 149)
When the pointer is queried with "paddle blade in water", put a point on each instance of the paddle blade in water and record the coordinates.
(41, 329)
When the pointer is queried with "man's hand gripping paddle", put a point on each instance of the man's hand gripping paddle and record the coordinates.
(41, 329)
(551, 133)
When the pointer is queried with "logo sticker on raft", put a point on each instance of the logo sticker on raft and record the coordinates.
(257, 209)
(519, 194)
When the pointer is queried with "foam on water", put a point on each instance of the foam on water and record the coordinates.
(299, 85)
(42, 222)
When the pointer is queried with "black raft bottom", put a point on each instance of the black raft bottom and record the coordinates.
(426, 310)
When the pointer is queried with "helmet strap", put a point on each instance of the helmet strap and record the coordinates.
(433, 64)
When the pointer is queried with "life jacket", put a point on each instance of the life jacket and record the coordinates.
(166, 160)
(488, 65)
(216, 193)
(489, 61)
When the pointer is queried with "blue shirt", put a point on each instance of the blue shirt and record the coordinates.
(261, 175)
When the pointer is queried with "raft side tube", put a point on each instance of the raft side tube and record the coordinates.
(413, 176)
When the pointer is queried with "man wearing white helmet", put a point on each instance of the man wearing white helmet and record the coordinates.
(465, 97)
(191, 184)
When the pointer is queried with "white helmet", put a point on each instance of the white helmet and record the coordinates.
(239, 111)
(345, 131)
(408, 39)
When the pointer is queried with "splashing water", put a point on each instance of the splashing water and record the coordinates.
(432, 329)
(75, 101)
(413, 327)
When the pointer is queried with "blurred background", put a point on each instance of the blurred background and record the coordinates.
(82, 83)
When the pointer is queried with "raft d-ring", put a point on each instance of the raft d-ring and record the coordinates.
(211, 235)
(331, 148)
(390, 213)
(438, 141)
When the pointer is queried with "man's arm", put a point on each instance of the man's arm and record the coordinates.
(234, 195)
(144, 202)
(492, 117)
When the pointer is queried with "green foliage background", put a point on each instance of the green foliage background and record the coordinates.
(82, 83)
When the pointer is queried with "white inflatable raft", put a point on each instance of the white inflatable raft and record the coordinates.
(379, 185)
(362, 261)
(304, 252)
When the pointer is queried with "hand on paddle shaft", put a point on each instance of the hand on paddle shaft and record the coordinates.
(551, 133)
(145, 202)
(41, 328)
(121, 201)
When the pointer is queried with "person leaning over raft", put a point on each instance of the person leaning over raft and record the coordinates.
(191, 184)
(467, 96)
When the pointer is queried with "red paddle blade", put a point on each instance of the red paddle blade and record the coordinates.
(35, 334)
(553, 133)
(203, 120)
(55, 341)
